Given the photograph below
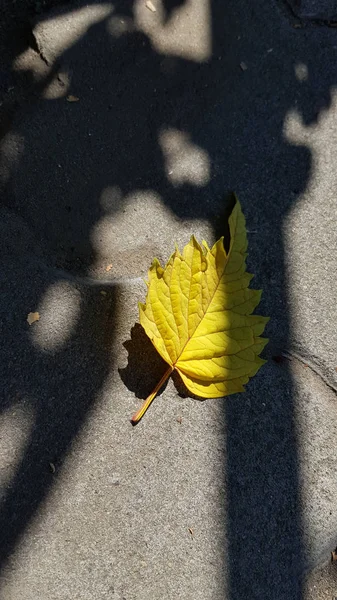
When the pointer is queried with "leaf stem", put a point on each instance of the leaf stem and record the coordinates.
(141, 412)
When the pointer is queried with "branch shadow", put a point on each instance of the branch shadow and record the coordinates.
(75, 375)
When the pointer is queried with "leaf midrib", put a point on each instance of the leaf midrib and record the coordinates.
(215, 290)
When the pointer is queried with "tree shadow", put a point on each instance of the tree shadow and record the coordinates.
(73, 152)
(58, 389)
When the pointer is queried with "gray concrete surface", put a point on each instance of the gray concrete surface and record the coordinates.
(229, 499)
(322, 583)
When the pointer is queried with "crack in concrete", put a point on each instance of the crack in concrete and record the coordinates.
(291, 354)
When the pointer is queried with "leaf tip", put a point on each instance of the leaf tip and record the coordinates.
(219, 245)
(206, 246)
(156, 266)
(176, 249)
(235, 196)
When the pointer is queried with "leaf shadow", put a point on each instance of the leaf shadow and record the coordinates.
(145, 366)
(182, 389)
(221, 226)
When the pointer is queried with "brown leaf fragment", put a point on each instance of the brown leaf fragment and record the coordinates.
(191, 531)
(108, 268)
(334, 555)
(32, 317)
(72, 98)
(150, 6)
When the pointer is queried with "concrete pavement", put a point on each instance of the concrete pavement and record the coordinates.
(141, 122)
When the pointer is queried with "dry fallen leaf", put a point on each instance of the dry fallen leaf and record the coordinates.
(32, 317)
(150, 6)
(198, 315)
(72, 98)
(191, 531)
(108, 268)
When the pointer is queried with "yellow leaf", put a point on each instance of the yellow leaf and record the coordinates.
(32, 317)
(198, 315)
